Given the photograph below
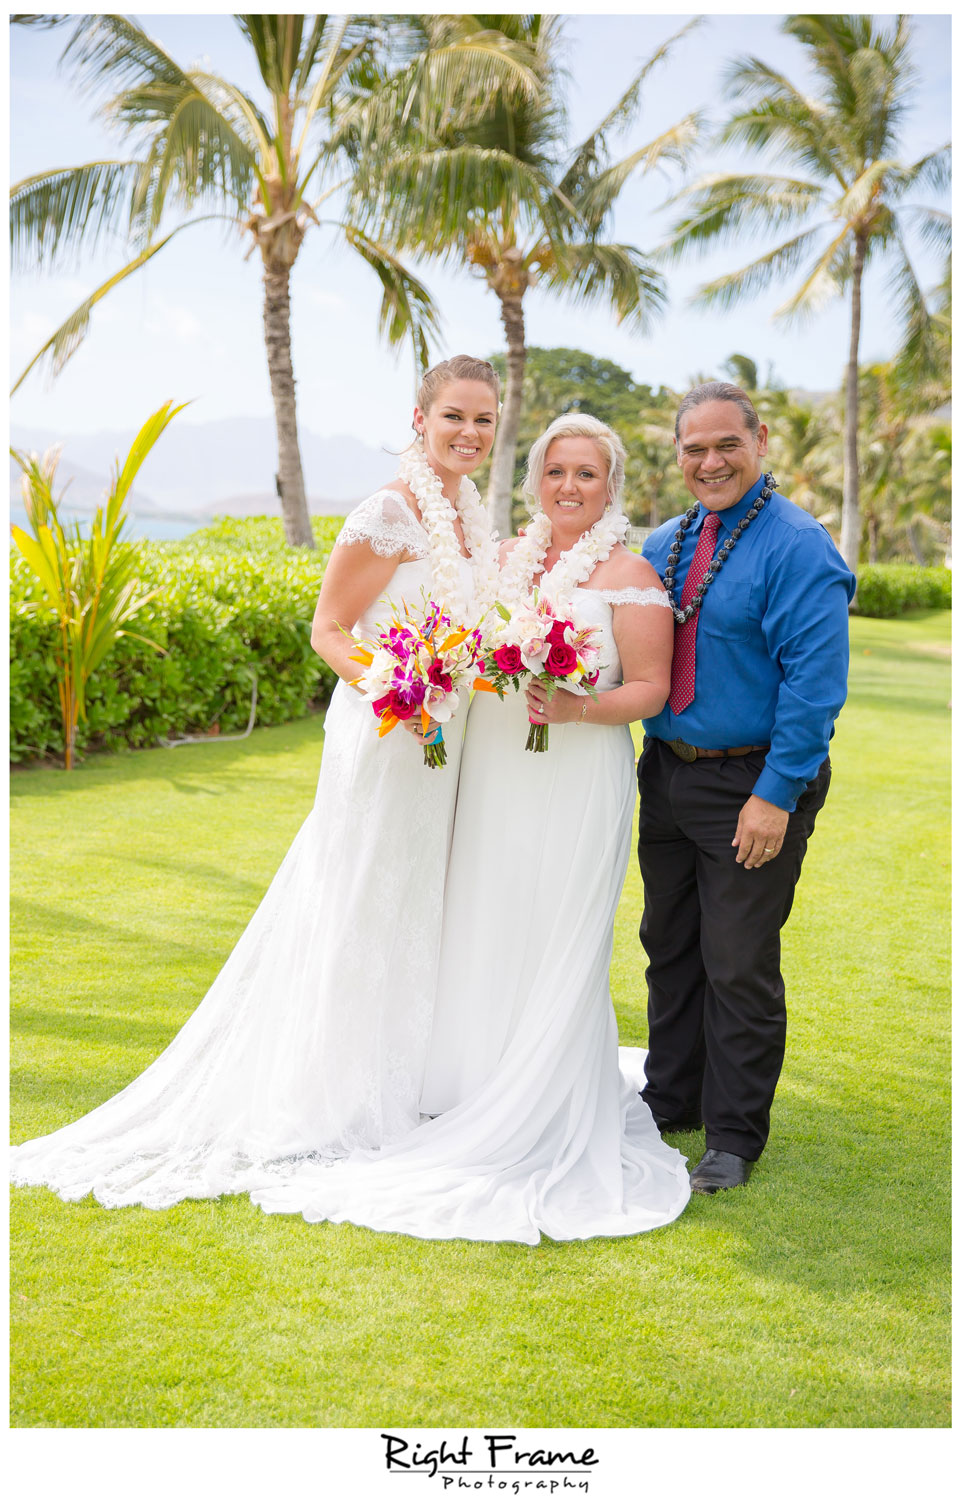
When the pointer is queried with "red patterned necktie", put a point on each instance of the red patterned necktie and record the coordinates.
(682, 667)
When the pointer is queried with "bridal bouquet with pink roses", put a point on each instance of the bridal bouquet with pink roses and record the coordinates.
(534, 641)
(415, 666)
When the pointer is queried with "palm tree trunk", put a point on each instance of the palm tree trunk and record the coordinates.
(501, 487)
(290, 474)
(850, 514)
(873, 529)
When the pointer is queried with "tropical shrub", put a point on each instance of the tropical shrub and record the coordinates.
(888, 589)
(229, 604)
(86, 583)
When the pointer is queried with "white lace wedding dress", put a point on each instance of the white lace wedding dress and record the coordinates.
(312, 1040)
(537, 1129)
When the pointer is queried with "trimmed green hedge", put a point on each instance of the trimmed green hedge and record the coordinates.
(234, 600)
(887, 589)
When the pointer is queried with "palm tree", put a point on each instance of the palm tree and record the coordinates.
(505, 194)
(906, 471)
(203, 143)
(845, 140)
(805, 450)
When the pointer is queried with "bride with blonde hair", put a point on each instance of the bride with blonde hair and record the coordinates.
(539, 1126)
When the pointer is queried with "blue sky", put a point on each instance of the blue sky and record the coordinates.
(189, 324)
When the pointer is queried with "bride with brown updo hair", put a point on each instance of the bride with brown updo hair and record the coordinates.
(312, 1040)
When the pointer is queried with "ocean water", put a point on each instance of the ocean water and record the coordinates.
(139, 528)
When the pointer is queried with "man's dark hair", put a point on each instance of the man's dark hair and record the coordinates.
(718, 390)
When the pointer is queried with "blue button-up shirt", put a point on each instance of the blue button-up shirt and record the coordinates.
(772, 642)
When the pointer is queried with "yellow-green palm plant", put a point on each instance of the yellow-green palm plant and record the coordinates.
(88, 584)
(267, 166)
(845, 139)
(495, 186)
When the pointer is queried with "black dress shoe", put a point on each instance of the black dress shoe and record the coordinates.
(718, 1170)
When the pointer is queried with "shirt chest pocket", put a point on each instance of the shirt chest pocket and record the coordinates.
(732, 606)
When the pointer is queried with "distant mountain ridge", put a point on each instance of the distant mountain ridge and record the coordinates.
(199, 470)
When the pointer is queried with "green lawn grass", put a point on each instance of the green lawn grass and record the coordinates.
(815, 1297)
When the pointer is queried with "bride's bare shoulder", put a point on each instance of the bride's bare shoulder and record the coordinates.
(625, 569)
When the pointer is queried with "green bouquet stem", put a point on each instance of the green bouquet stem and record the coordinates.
(435, 754)
(537, 737)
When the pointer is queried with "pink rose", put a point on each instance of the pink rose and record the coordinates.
(403, 707)
(556, 634)
(561, 661)
(379, 704)
(439, 677)
(508, 659)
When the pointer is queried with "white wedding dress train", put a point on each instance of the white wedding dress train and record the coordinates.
(538, 1131)
(312, 1040)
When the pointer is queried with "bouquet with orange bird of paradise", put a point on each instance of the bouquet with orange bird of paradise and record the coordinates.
(416, 665)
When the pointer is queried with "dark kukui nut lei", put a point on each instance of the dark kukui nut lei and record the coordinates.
(720, 558)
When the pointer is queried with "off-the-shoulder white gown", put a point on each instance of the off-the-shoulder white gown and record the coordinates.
(312, 1040)
(537, 1130)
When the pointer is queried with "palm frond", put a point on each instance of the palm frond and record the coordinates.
(337, 61)
(64, 342)
(822, 283)
(933, 225)
(922, 345)
(932, 171)
(611, 274)
(39, 23)
(53, 212)
(798, 133)
(867, 71)
(726, 203)
(277, 41)
(726, 290)
(114, 52)
(596, 197)
(865, 188)
(196, 157)
(432, 201)
(441, 91)
(595, 147)
(237, 108)
(406, 309)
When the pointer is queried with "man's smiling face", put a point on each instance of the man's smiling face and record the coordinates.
(720, 457)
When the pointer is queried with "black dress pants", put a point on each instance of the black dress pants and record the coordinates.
(712, 933)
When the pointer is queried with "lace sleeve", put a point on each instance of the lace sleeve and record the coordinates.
(386, 523)
(636, 596)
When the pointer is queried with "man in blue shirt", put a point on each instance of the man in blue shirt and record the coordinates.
(733, 774)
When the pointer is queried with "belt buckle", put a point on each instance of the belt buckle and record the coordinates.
(683, 750)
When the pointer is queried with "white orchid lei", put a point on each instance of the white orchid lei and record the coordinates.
(438, 516)
(572, 568)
